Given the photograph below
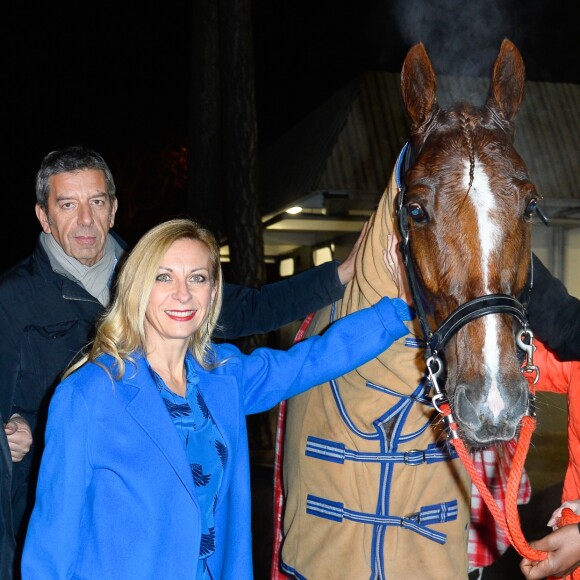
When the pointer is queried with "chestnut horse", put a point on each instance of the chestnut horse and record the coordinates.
(372, 488)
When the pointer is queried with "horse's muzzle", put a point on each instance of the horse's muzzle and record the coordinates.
(487, 419)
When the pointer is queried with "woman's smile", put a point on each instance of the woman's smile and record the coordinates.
(181, 315)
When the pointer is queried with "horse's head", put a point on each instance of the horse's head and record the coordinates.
(469, 203)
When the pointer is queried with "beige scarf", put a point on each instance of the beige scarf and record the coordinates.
(96, 279)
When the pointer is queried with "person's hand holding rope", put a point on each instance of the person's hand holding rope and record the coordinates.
(563, 548)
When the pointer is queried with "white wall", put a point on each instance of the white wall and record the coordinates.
(553, 242)
(572, 262)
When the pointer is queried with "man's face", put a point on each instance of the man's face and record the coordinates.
(79, 214)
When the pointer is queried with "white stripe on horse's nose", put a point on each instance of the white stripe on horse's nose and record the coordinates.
(483, 202)
(491, 355)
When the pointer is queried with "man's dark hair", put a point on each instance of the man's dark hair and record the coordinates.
(70, 160)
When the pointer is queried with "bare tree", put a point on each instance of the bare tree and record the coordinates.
(204, 192)
(223, 189)
(240, 141)
(223, 160)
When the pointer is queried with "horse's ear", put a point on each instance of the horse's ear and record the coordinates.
(418, 85)
(508, 81)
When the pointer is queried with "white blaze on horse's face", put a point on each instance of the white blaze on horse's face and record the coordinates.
(484, 203)
(489, 232)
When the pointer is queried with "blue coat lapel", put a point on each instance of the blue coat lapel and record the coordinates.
(221, 395)
(148, 410)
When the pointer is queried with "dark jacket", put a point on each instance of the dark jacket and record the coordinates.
(7, 541)
(46, 319)
(554, 314)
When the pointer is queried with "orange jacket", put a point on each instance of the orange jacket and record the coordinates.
(564, 377)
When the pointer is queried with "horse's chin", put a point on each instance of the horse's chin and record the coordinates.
(477, 441)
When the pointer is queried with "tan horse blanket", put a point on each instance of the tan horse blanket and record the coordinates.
(371, 486)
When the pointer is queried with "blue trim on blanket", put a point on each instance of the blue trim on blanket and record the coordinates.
(335, 452)
(417, 522)
(291, 571)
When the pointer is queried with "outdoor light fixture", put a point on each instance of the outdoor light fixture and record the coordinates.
(286, 267)
(294, 210)
(322, 255)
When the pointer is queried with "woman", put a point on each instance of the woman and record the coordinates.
(145, 473)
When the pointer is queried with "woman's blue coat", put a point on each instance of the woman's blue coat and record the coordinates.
(115, 496)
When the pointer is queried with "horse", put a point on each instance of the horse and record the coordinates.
(371, 486)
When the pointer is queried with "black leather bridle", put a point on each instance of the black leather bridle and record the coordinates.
(436, 340)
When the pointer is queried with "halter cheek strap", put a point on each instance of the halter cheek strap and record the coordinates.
(401, 167)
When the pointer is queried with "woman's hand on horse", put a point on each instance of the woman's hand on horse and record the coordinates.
(394, 264)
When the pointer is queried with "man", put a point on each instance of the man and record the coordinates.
(50, 301)
(563, 544)
(7, 542)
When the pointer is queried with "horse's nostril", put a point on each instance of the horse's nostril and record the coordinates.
(466, 410)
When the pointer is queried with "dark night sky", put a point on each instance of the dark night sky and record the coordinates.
(115, 77)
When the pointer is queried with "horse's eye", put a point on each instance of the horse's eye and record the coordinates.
(531, 208)
(417, 213)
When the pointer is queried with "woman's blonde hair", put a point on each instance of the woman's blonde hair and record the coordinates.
(121, 331)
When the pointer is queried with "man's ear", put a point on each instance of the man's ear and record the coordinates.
(42, 218)
(113, 212)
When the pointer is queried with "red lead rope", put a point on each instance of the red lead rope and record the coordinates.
(510, 522)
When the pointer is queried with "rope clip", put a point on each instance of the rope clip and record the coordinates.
(528, 347)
